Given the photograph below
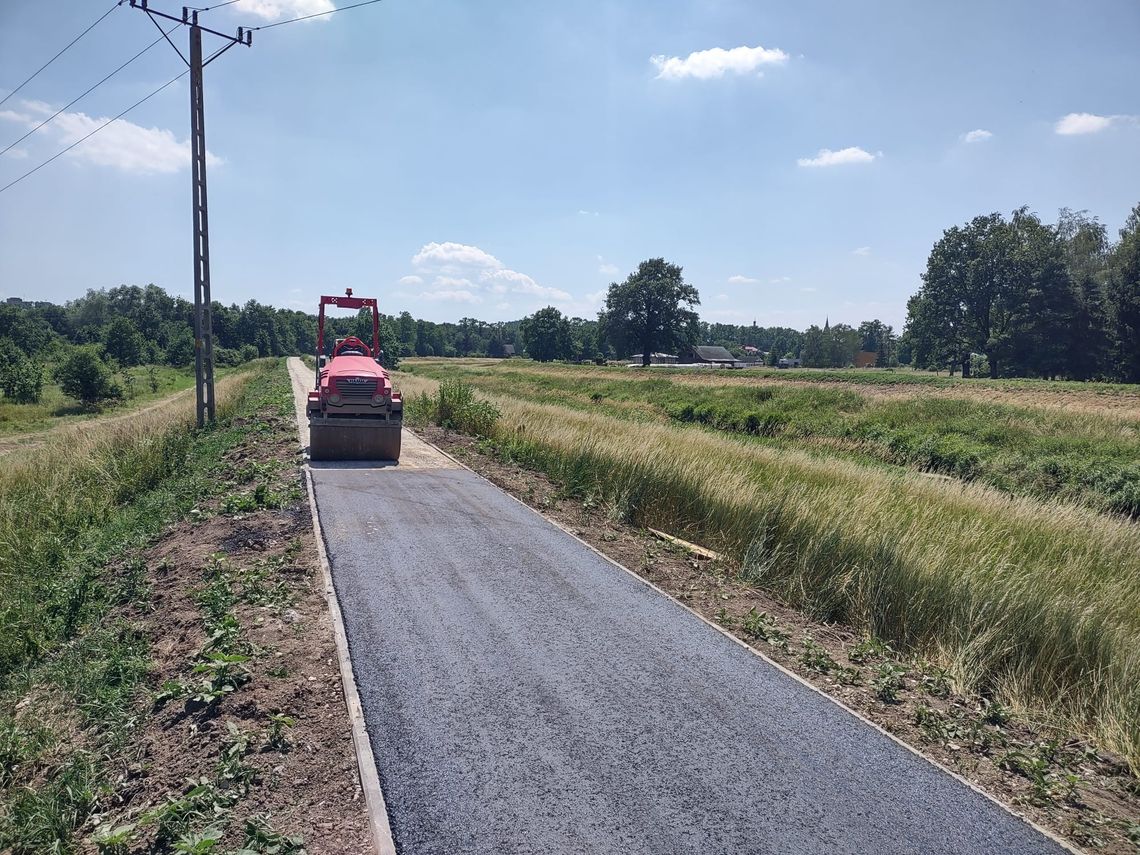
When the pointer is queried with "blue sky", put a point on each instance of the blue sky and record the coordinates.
(488, 158)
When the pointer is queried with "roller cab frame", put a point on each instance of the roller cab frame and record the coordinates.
(354, 411)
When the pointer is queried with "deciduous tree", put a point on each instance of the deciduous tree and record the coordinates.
(652, 310)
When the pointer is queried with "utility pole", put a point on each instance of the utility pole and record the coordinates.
(203, 315)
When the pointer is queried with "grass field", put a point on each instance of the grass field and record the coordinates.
(1029, 597)
(56, 408)
(993, 433)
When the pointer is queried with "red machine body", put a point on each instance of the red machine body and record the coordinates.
(354, 412)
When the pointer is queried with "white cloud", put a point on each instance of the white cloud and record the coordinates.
(1083, 123)
(827, 157)
(716, 62)
(605, 268)
(461, 273)
(276, 10)
(122, 145)
(978, 135)
(741, 280)
(721, 297)
(17, 153)
(779, 279)
(598, 297)
(452, 255)
(587, 213)
(519, 283)
(863, 250)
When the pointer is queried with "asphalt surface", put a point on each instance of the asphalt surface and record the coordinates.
(523, 695)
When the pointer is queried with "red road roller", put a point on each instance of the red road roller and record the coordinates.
(354, 411)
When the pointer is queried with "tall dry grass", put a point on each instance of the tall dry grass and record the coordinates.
(1036, 602)
(54, 499)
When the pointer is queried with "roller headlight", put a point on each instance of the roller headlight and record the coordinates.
(334, 398)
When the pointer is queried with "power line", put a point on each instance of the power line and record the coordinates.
(88, 92)
(215, 6)
(61, 53)
(314, 15)
(92, 133)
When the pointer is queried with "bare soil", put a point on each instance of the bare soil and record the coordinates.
(1084, 795)
(305, 782)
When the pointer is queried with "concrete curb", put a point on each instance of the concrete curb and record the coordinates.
(970, 784)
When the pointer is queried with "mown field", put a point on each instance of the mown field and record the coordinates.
(1019, 569)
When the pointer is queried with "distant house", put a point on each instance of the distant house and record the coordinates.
(790, 363)
(750, 349)
(866, 359)
(655, 359)
(508, 350)
(708, 354)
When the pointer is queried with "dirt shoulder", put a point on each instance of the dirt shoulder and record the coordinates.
(247, 686)
(1081, 794)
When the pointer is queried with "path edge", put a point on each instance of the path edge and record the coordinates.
(1064, 844)
(365, 761)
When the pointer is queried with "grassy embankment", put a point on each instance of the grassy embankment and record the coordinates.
(1089, 455)
(147, 384)
(91, 496)
(1034, 601)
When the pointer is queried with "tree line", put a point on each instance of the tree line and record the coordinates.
(1013, 297)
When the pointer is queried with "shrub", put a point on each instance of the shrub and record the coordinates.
(21, 380)
(454, 406)
(86, 377)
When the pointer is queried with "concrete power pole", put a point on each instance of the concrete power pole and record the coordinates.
(203, 316)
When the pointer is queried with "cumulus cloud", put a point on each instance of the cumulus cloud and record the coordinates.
(450, 254)
(716, 62)
(779, 279)
(277, 10)
(463, 273)
(501, 281)
(741, 280)
(121, 145)
(1083, 123)
(586, 213)
(827, 157)
(977, 135)
(862, 250)
(605, 268)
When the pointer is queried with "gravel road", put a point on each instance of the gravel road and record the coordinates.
(524, 695)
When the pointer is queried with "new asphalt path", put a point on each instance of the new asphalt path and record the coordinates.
(524, 695)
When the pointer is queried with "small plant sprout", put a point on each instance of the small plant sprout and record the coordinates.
(278, 738)
(762, 626)
(888, 682)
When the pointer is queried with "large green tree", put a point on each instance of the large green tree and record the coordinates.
(1124, 301)
(546, 335)
(651, 311)
(998, 287)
